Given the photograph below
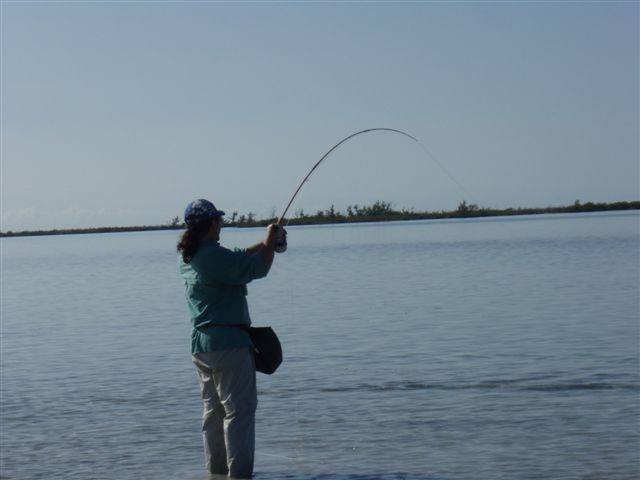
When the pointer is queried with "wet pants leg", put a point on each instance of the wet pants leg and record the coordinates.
(228, 386)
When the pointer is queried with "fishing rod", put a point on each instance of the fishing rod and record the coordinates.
(304, 180)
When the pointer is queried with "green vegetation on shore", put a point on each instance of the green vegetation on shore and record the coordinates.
(378, 212)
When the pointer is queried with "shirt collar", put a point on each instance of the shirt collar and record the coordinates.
(207, 241)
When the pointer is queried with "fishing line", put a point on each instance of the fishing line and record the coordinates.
(444, 169)
(384, 129)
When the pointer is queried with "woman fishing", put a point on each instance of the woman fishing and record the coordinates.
(215, 281)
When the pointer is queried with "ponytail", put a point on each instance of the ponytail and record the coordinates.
(191, 238)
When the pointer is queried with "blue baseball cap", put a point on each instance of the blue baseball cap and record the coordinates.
(200, 210)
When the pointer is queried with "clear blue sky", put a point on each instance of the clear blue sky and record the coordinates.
(119, 113)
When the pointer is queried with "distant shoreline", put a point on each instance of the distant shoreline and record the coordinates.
(378, 212)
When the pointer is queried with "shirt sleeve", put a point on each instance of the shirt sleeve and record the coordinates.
(233, 267)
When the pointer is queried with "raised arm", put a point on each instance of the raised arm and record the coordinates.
(267, 247)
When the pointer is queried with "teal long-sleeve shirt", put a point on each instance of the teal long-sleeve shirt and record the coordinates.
(216, 288)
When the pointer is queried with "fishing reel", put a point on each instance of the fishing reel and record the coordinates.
(281, 238)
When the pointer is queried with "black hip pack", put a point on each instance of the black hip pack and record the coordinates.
(267, 350)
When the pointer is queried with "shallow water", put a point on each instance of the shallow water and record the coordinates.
(492, 348)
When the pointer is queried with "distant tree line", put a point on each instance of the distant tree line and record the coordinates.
(379, 211)
(76, 231)
(384, 211)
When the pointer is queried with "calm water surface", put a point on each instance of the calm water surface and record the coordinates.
(475, 349)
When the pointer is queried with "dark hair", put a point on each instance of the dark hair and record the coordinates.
(191, 238)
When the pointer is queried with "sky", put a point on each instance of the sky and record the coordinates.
(119, 113)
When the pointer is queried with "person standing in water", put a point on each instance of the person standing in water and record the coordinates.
(215, 283)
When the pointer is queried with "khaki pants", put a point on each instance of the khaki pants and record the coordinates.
(228, 386)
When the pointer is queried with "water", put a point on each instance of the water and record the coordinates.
(493, 349)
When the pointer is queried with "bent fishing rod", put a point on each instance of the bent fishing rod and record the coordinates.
(304, 180)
